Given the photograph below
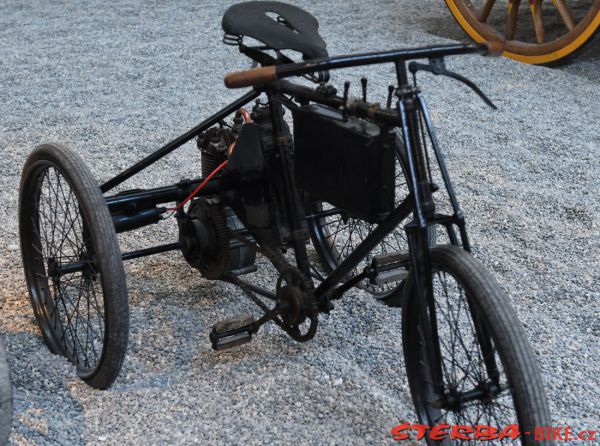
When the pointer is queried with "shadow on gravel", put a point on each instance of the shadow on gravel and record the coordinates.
(44, 406)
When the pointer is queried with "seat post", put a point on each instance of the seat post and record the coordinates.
(294, 211)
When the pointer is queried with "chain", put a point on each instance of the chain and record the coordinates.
(285, 269)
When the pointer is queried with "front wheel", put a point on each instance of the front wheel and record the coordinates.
(487, 371)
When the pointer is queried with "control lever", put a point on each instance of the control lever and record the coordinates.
(391, 90)
(363, 81)
(345, 100)
(437, 66)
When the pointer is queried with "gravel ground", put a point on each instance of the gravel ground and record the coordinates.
(114, 81)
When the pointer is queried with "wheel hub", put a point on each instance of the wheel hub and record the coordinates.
(53, 269)
(455, 401)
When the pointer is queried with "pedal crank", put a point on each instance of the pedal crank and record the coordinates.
(232, 332)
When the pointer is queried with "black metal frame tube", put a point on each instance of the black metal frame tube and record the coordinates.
(178, 142)
(166, 194)
(151, 251)
(367, 245)
(75, 267)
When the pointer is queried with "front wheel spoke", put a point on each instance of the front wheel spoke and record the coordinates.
(475, 342)
(493, 415)
(455, 335)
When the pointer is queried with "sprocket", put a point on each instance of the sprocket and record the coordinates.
(207, 245)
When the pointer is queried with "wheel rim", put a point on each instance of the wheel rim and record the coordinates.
(533, 31)
(339, 236)
(69, 305)
(464, 370)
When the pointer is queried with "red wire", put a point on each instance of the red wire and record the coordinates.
(193, 194)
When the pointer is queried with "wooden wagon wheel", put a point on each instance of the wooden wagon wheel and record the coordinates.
(534, 31)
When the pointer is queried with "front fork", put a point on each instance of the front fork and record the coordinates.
(413, 108)
(417, 231)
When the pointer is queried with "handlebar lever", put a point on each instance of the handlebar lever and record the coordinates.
(437, 66)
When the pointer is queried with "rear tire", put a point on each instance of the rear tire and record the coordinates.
(464, 292)
(63, 220)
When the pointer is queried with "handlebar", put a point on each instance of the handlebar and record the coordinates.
(264, 75)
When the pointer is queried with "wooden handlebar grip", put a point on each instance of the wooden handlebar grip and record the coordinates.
(495, 48)
(249, 78)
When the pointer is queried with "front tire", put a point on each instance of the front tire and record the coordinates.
(489, 372)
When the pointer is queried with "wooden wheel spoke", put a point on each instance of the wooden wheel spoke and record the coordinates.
(485, 12)
(538, 24)
(552, 35)
(565, 13)
(511, 23)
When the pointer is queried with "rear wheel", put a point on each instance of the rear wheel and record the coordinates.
(73, 264)
(533, 31)
(489, 374)
(336, 236)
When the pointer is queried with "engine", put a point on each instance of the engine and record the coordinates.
(207, 230)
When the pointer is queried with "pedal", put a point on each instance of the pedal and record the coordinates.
(390, 267)
(232, 332)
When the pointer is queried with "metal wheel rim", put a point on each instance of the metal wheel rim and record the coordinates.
(62, 337)
(426, 410)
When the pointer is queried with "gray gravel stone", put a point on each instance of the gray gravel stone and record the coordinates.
(114, 80)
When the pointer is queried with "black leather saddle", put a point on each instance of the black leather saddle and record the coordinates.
(277, 25)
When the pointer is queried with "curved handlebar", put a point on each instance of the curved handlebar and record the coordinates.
(263, 75)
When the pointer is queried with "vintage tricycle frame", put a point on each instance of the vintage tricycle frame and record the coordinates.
(141, 205)
(410, 102)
